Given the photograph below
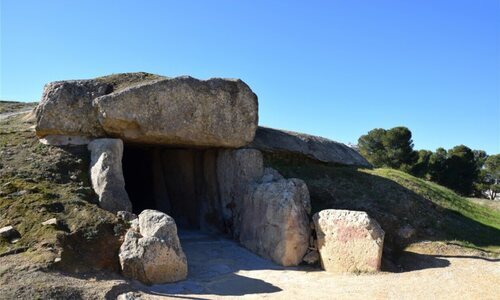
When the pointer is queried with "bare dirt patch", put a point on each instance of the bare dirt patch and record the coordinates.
(221, 269)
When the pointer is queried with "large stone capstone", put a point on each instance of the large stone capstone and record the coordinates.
(314, 147)
(151, 251)
(181, 111)
(66, 108)
(274, 220)
(348, 241)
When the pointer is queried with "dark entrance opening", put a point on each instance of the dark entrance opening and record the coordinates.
(178, 181)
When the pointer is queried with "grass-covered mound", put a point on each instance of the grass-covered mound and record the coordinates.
(398, 201)
(40, 182)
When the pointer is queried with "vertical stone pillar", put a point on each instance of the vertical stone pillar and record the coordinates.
(237, 170)
(106, 174)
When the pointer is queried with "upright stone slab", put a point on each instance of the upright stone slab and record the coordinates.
(348, 241)
(151, 252)
(106, 174)
(275, 222)
(237, 170)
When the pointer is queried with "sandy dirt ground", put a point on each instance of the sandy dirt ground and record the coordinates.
(221, 269)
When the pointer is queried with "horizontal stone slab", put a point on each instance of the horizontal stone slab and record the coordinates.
(151, 109)
(314, 147)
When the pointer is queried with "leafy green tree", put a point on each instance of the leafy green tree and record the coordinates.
(371, 146)
(461, 170)
(437, 165)
(399, 146)
(480, 157)
(489, 182)
(391, 148)
(422, 165)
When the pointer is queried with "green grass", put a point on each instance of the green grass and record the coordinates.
(396, 199)
(442, 196)
(40, 182)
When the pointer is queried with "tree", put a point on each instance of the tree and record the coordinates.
(422, 165)
(461, 170)
(371, 146)
(437, 165)
(391, 148)
(480, 157)
(489, 182)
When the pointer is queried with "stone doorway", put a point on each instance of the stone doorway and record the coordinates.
(180, 182)
(214, 190)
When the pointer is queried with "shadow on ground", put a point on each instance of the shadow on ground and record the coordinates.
(213, 264)
(410, 261)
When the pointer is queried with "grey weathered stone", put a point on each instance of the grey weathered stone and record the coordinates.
(270, 175)
(348, 241)
(65, 140)
(237, 170)
(129, 296)
(275, 222)
(315, 147)
(8, 232)
(157, 224)
(49, 222)
(66, 108)
(153, 254)
(126, 216)
(147, 108)
(182, 111)
(107, 176)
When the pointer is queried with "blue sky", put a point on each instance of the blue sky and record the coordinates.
(332, 68)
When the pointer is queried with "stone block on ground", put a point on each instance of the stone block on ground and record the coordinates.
(151, 251)
(275, 221)
(348, 241)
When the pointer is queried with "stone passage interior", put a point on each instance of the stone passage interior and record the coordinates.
(181, 182)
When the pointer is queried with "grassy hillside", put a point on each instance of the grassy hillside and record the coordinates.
(398, 201)
(40, 182)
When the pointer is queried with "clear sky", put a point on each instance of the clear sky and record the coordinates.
(332, 68)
